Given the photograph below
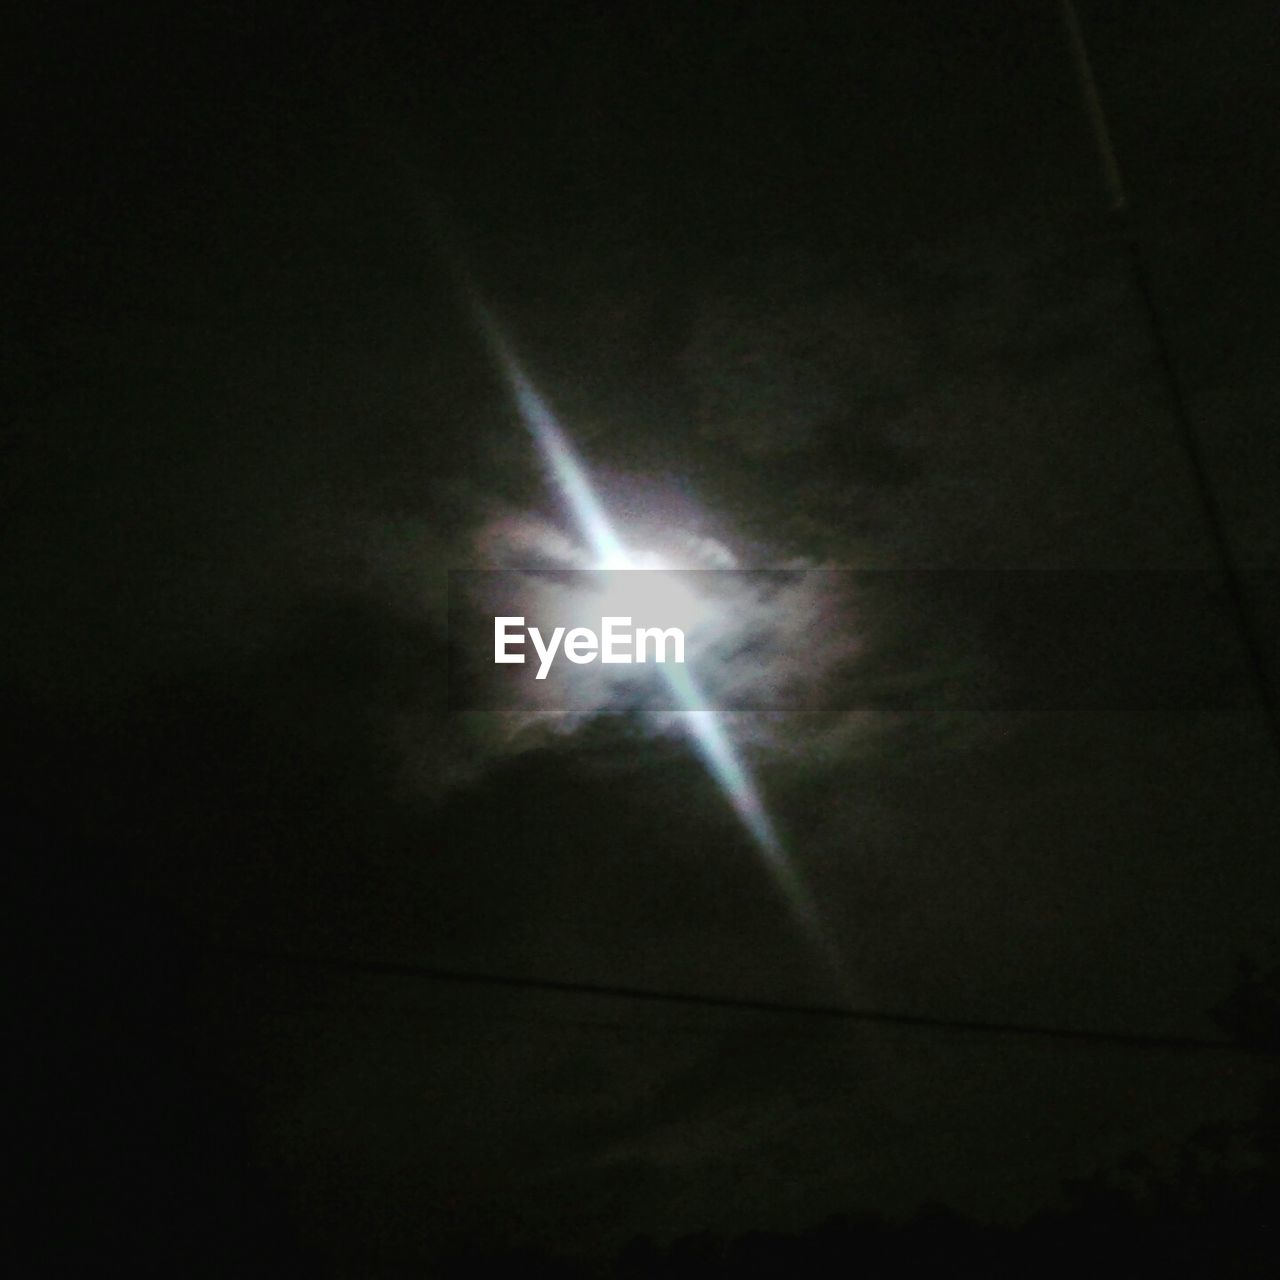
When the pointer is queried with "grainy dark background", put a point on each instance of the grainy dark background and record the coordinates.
(835, 283)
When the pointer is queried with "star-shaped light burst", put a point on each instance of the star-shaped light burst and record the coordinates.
(705, 728)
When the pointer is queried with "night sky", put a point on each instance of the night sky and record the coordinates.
(811, 287)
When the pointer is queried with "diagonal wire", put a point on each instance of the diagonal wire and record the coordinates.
(1251, 632)
(689, 999)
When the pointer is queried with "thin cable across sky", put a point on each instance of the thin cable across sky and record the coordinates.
(744, 1004)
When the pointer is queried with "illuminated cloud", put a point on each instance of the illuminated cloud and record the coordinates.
(704, 727)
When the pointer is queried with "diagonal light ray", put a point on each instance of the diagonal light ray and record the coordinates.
(705, 727)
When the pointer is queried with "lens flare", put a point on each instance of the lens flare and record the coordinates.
(704, 725)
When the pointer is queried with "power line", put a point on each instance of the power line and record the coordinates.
(739, 1004)
(1188, 438)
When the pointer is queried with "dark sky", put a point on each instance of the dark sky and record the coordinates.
(819, 285)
